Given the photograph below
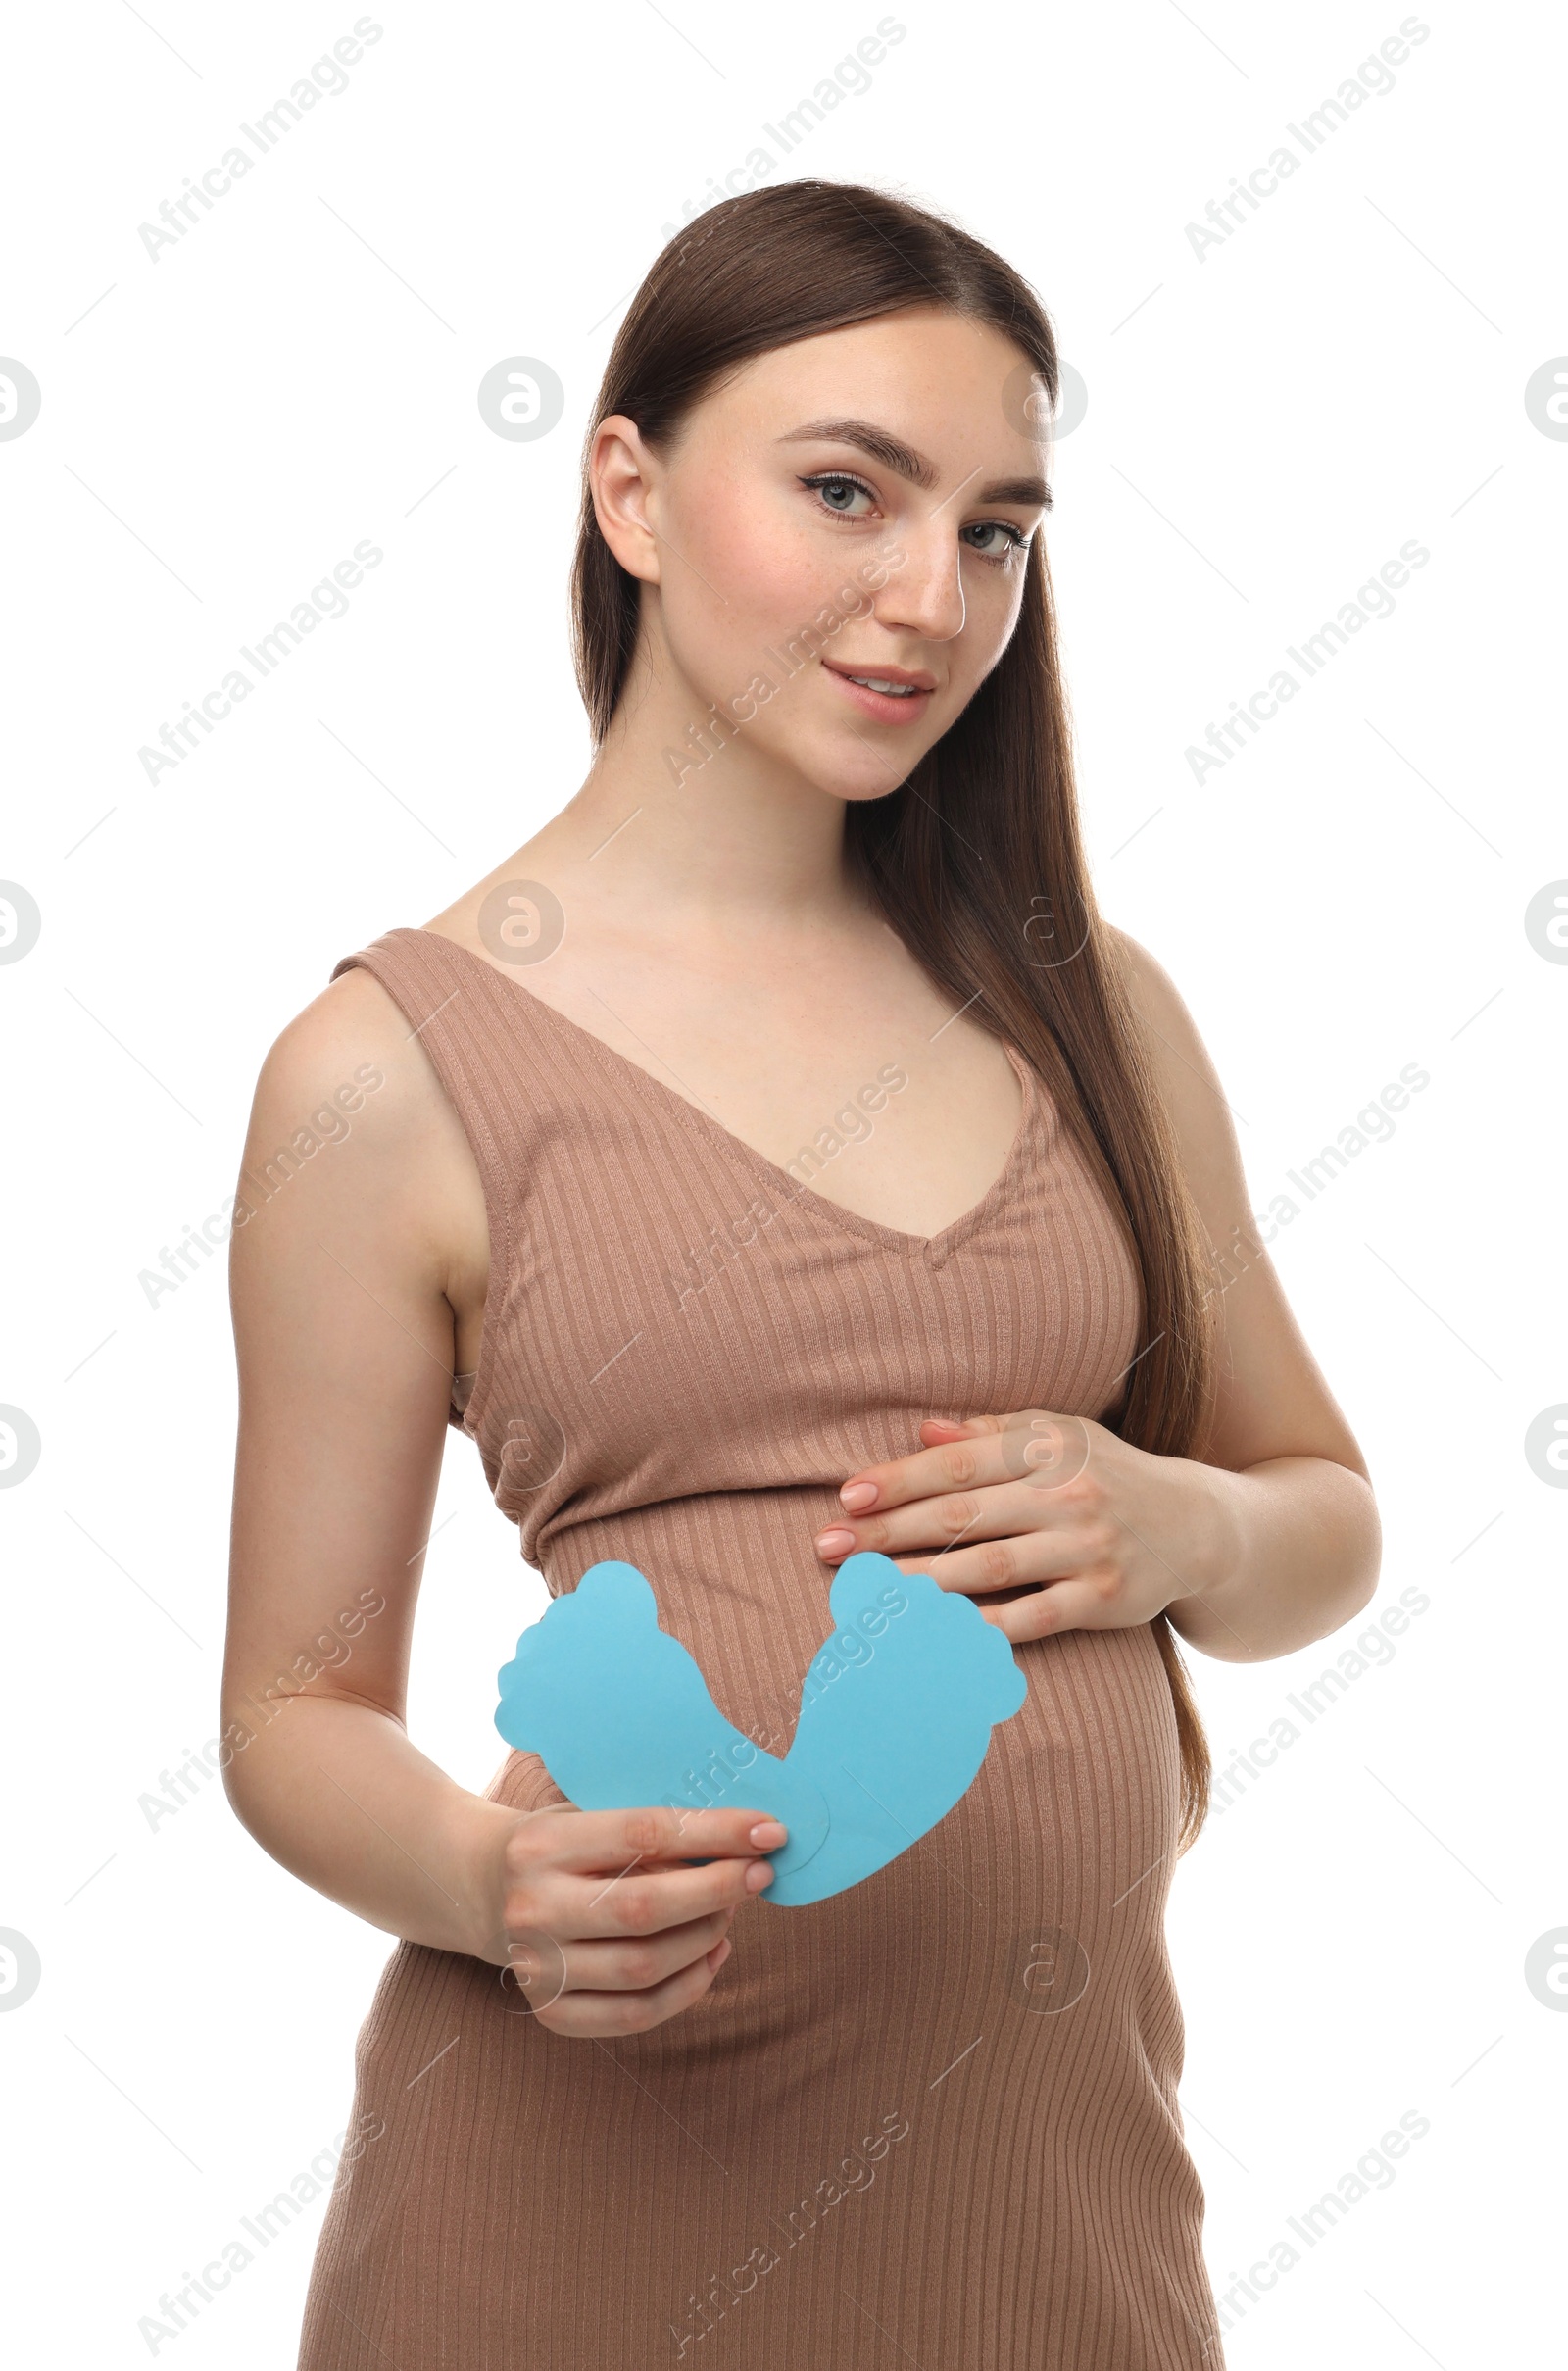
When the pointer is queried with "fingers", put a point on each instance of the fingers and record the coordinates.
(1066, 1605)
(636, 1964)
(952, 1522)
(634, 2012)
(649, 1900)
(614, 1840)
(969, 1455)
(986, 1479)
(625, 1930)
(1011, 1561)
(936, 1431)
(572, 1874)
(1034, 1446)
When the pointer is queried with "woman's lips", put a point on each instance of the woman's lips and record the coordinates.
(885, 708)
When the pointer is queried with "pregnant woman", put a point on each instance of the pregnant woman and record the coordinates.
(774, 1158)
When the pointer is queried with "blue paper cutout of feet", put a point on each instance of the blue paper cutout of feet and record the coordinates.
(897, 1708)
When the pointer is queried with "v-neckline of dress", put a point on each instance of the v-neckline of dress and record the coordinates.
(930, 1247)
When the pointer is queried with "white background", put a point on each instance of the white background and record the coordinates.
(1265, 427)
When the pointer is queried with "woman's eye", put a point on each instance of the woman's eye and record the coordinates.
(1013, 540)
(838, 493)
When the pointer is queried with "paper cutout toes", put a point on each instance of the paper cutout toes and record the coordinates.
(896, 1710)
(621, 1715)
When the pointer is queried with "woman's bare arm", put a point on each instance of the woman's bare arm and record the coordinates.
(343, 1285)
(1299, 1523)
(344, 1336)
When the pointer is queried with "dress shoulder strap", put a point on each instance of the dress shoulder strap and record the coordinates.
(485, 1053)
(480, 1054)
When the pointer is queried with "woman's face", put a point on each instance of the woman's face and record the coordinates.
(854, 505)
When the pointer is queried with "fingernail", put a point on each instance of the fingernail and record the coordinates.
(769, 1832)
(759, 1873)
(834, 1541)
(858, 1496)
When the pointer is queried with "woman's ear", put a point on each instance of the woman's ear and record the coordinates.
(622, 473)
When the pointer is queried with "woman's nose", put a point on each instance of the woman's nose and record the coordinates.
(924, 592)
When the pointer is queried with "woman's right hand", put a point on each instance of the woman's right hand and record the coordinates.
(604, 1926)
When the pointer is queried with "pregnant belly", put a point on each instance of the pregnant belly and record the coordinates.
(1055, 1859)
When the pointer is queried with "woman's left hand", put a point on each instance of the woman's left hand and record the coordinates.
(1112, 1535)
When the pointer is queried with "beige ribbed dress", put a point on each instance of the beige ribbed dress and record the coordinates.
(930, 2122)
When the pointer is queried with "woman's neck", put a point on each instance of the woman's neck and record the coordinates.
(688, 819)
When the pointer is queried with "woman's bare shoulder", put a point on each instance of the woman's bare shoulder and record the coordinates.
(348, 1048)
(348, 1096)
(1189, 1083)
(1273, 1401)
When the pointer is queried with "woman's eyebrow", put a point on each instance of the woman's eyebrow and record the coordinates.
(882, 445)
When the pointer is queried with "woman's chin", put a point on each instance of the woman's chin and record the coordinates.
(850, 767)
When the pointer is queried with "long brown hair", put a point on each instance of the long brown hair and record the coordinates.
(977, 858)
